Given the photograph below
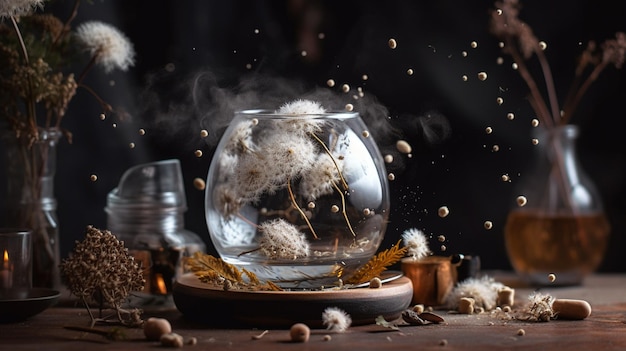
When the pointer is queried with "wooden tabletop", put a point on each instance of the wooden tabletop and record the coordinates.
(605, 329)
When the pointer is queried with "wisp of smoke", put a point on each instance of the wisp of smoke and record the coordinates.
(207, 102)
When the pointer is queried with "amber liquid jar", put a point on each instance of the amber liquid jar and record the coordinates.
(562, 229)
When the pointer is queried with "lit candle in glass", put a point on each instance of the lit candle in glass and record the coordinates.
(15, 262)
(6, 273)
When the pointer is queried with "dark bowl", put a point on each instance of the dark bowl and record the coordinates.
(17, 307)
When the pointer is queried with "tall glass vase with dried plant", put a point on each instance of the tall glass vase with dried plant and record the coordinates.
(558, 225)
(37, 54)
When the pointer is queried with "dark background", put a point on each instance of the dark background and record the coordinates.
(176, 40)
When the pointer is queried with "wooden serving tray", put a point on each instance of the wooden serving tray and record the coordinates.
(200, 302)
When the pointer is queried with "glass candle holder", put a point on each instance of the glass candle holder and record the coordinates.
(15, 262)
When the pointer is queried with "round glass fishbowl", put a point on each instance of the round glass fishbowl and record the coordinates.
(299, 200)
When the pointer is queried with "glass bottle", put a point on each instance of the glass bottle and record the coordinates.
(302, 201)
(562, 229)
(31, 202)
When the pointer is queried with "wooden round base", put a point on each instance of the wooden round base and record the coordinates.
(266, 309)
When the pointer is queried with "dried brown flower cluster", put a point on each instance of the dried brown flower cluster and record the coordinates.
(519, 41)
(101, 270)
(37, 51)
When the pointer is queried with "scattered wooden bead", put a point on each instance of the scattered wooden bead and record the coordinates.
(172, 340)
(571, 309)
(376, 283)
(154, 328)
(300, 332)
(506, 296)
(419, 308)
(466, 305)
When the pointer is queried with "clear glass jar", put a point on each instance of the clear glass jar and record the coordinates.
(562, 229)
(146, 210)
(302, 201)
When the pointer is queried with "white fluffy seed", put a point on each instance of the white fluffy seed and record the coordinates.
(299, 332)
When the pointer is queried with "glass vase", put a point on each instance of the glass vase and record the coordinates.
(562, 229)
(301, 201)
(30, 201)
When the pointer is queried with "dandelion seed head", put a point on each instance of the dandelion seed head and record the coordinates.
(281, 239)
(110, 47)
(300, 107)
(336, 319)
(17, 8)
(483, 290)
(415, 242)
